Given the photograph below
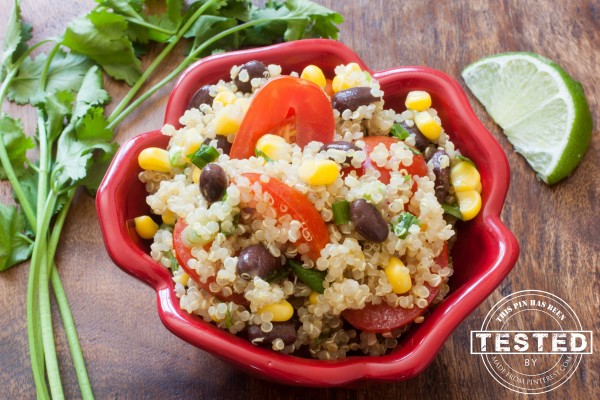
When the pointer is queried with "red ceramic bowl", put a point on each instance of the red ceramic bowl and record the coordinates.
(484, 253)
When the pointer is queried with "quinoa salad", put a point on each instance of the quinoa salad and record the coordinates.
(300, 213)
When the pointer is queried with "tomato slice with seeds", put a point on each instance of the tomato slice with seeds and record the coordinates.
(184, 254)
(287, 200)
(281, 101)
(383, 318)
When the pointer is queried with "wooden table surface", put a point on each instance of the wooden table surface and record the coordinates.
(130, 354)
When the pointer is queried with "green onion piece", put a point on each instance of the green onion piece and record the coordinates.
(204, 155)
(236, 222)
(399, 132)
(414, 151)
(407, 177)
(341, 212)
(467, 159)
(228, 321)
(404, 221)
(173, 263)
(260, 153)
(452, 209)
(310, 277)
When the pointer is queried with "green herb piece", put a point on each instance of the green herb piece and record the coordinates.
(399, 131)
(173, 263)
(463, 158)
(452, 209)
(65, 73)
(16, 145)
(310, 277)
(341, 212)
(204, 155)
(278, 274)
(260, 153)
(236, 222)
(414, 151)
(15, 244)
(228, 321)
(407, 178)
(15, 40)
(404, 221)
(102, 36)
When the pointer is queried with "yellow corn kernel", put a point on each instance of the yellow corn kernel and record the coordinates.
(427, 125)
(281, 311)
(353, 67)
(154, 159)
(228, 120)
(318, 171)
(479, 188)
(169, 217)
(224, 98)
(216, 319)
(145, 227)
(191, 147)
(398, 276)
(418, 100)
(182, 278)
(464, 177)
(313, 297)
(342, 82)
(314, 74)
(275, 147)
(196, 175)
(469, 203)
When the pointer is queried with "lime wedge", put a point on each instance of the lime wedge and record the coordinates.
(542, 110)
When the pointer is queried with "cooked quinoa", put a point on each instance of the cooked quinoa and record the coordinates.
(351, 266)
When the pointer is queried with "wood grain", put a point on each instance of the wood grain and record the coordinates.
(130, 355)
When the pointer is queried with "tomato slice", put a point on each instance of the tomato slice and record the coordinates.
(272, 107)
(382, 317)
(184, 254)
(300, 208)
(418, 166)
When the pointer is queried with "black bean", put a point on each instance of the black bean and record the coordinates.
(442, 176)
(285, 331)
(351, 99)
(202, 96)
(255, 69)
(341, 146)
(222, 143)
(256, 260)
(213, 182)
(368, 221)
(421, 142)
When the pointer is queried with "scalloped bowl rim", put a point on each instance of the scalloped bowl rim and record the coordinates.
(424, 342)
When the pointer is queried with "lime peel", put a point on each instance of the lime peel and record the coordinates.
(542, 110)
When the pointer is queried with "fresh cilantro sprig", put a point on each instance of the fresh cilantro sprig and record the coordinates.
(74, 134)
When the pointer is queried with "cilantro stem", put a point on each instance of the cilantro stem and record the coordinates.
(115, 116)
(36, 348)
(150, 26)
(63, 303)
(44, 304)
(119, 113)
(72, 337)
(46, 70)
